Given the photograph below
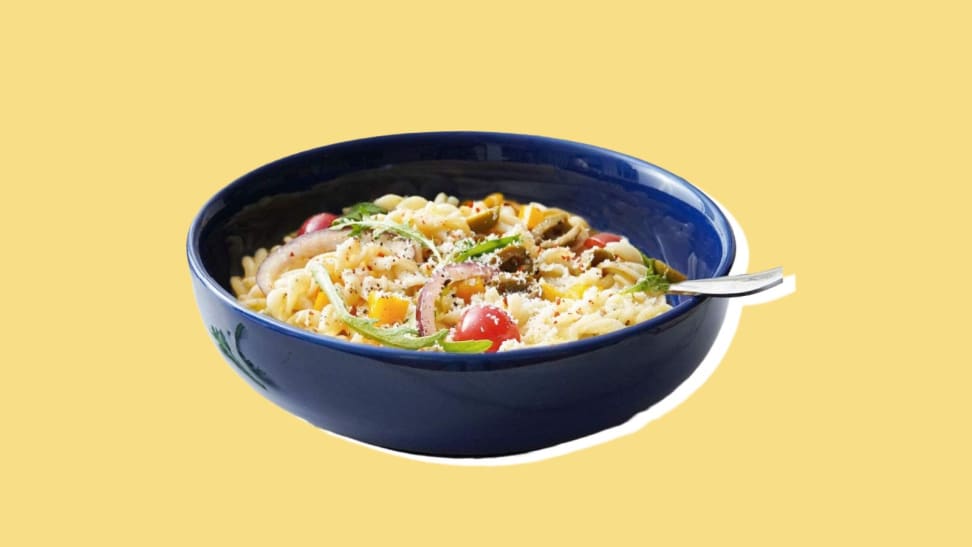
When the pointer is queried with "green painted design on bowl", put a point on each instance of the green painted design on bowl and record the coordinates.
(239, 360)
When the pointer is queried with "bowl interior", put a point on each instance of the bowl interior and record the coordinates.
(660, 213)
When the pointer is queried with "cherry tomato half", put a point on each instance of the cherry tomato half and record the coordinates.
(320, 221)
(486, 323)
(600, 239)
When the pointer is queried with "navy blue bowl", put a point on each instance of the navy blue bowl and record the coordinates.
(463, 405)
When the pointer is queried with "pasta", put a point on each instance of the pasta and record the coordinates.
(404, 271)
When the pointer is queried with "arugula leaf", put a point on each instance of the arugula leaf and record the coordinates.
(404, 339)
(359, 211)
(485, 247)
(653, 283)
(466, 346)
(356, 212)
(399, 337)
(381, 226)
(323, 279)
(357, 219)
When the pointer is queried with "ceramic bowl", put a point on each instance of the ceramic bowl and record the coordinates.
(463, 405)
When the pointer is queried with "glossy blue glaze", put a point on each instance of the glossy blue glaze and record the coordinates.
(470, 405)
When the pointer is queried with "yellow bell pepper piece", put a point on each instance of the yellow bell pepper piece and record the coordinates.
(531, 215)
(576, 291)
(386, 309)
(320, 301)
(467, 288)
(552, 293)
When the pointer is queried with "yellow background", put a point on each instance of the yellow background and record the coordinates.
(836, 132)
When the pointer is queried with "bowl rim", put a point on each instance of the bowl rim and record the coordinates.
(423, 359)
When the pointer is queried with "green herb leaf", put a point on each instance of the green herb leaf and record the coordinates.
(398, 338)
(466, 346)
(653, 283)
(359, 211)
(485, 247)
(323, 279)
(648, 261)
(380, 226)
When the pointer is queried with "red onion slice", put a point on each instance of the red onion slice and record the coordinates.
(425, 311)
(297, 252)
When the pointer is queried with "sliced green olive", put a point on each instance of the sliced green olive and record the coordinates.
(600, 255)
(551, 227)
(671, 274)
(556, 230)
(514, 258)
(484, 221)
(508, 283)
(494, 200)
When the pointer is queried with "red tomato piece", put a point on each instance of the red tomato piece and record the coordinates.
(320, 221)
(600, 239)
(486, 323)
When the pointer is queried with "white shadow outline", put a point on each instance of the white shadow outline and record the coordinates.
(706, 368)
